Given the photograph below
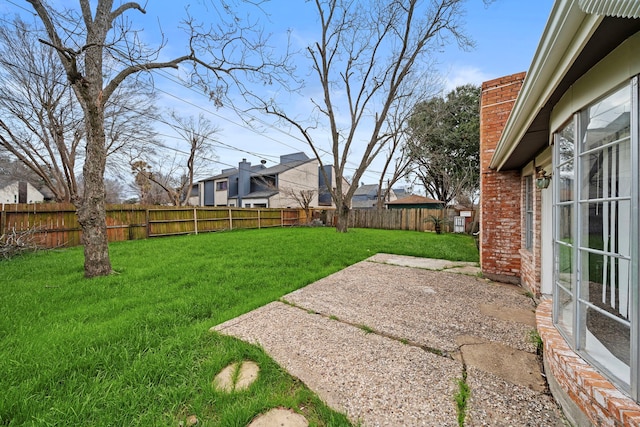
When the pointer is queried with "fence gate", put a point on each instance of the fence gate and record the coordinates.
(459, 224)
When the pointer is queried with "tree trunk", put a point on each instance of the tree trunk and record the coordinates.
(342, 224)
(91, 210)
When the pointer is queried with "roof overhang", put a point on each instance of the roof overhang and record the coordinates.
(573, 41)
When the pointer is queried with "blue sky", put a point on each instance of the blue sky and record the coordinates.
(506, 34)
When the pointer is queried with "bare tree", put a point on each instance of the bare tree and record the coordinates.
(12, 170)
(174, 175)
(82, 39)
(364, 55)
(146, 185)
(304, 198)
(198, 134)
(39, 124)
(41, 121)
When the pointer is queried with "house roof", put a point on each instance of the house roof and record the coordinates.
(282, 167)
(226, 173)
(288, 162)
(574, 40)
(415, 200)
(367, 190)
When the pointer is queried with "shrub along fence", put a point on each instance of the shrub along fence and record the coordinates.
(56, 224)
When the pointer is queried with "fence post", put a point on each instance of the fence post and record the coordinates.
(3, 221)
(195, 220)
(259, 219)
(147, 218)
(230, 220)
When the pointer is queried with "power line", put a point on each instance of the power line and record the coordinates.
(231, 147)
(169, 77)
(22, 7)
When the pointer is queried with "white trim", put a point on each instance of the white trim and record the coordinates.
(612, 71)
(567, 32)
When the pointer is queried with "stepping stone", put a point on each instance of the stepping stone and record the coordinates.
(279, 417)
(246, 376)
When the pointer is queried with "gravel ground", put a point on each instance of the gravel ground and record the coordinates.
(381, 341)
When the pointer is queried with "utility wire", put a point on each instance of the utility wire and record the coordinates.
(171, 78)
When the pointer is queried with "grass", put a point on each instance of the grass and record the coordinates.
(536, 340)
(366, 329)
(461, 398)
(134, 348)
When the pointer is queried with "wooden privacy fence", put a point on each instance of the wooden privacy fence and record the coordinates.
(397, 219)
(56, 224)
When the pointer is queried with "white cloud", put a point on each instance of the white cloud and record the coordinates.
(461, 75)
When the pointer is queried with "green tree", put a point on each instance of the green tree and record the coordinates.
(444, 144)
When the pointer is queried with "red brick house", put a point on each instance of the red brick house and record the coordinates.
(560, 202)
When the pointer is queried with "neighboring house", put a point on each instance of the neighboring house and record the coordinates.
(194, 196)
(415, 202)
(366, 197)
(20, 192)
(560, 196)
(253, 186)
(401, 192)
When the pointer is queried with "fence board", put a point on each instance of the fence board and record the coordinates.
(395, 219)
(56, 224)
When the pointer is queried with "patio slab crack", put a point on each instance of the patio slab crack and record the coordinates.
(367, 329)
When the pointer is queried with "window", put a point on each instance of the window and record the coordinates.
(528, 214)
(221, 185)
(594, 282)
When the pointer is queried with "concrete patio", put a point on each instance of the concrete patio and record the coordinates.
(388, 340)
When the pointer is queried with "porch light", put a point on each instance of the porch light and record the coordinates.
(542, 179)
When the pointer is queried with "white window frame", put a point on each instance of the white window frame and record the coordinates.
(575, 337)
(528, 212)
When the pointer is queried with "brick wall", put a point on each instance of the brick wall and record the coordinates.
(500, 192)
(591, 394)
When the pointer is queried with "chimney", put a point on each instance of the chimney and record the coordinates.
(244, 180)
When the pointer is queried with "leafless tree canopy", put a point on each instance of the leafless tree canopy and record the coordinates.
(365, 55)
(41, 122)
(170, 179)
(99, 49)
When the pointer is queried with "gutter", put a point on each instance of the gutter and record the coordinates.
(567, 32)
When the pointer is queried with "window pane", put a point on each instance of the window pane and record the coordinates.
(565, 265)
(565, 182)
(607, 120)
(565, 173)
(565, 311)
(564, 140)
(605, 226)
(607, 172)
(609, 343)
(605, 283)
(565, 222)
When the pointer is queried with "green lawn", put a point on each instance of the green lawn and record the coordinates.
(134, 348)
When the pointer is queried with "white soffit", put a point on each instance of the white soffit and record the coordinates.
(616, 8)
